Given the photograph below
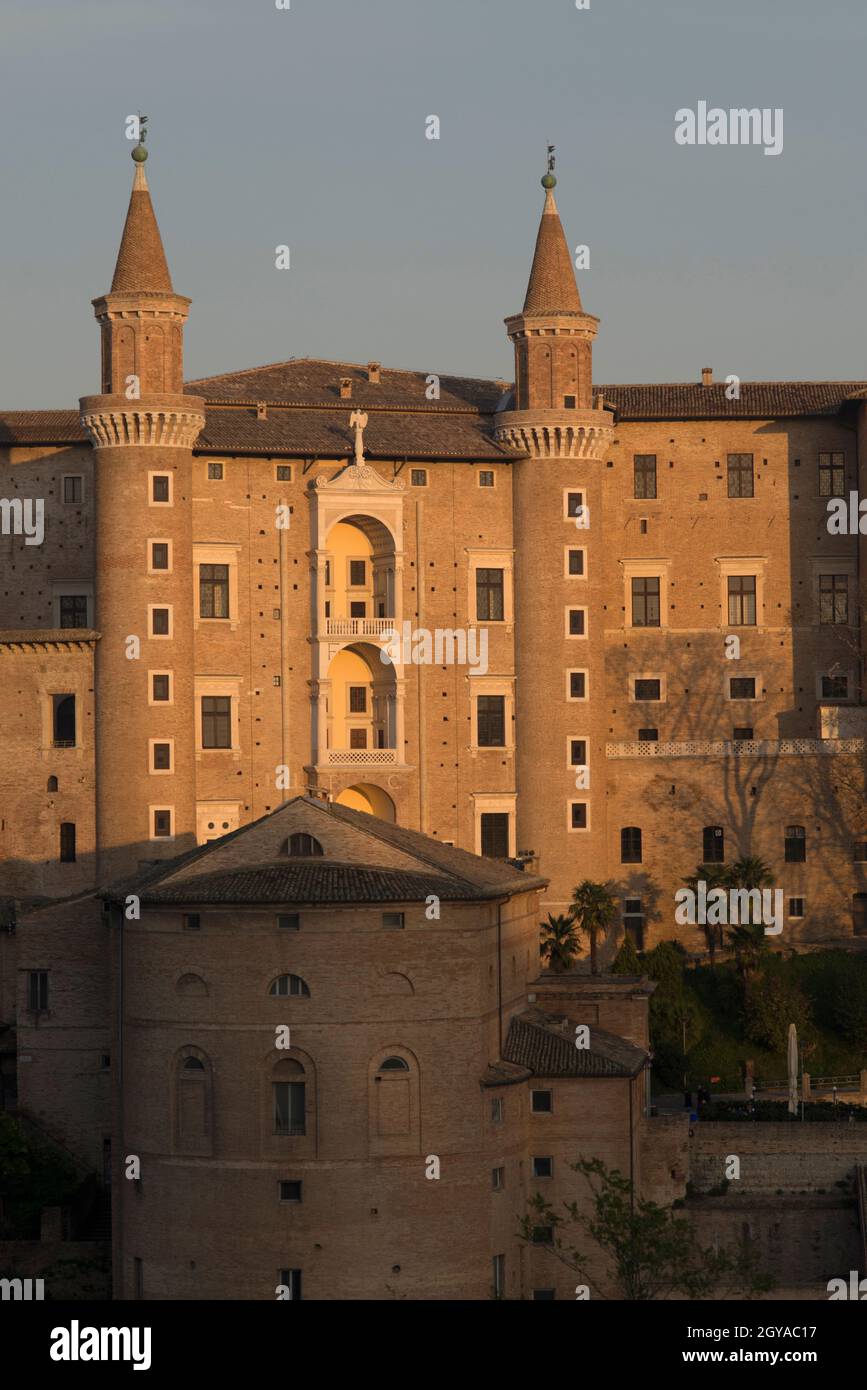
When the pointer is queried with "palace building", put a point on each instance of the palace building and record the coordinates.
(638, 650)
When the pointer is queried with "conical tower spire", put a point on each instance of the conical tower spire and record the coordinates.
(141, 261)
(552, 288)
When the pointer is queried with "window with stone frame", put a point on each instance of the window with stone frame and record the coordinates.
(213, 591)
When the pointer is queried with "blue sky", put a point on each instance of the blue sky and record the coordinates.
(307, 127)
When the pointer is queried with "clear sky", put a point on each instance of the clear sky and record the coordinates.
(306, 127)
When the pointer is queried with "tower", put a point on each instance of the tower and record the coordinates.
(142, 428)
(558, 527)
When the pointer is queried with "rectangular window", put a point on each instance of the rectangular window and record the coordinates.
(832, 475)
(358, 699)
(37, 991)
(498, 1179)
(742, 600)
(213, 591)
(290, 1279)
(578, 815)
(796, 907)
(576, 622)
(833, 598)
(740, 475)
(569, 402)
(491, 721)
(161, 488)
(577, 752)
(162, 757)
(544, 1295)
(284, 472)
(289, 921)
(489, 595)
(742, 687)
(648, 735)
(63, 720)
(574, 504)
(486, 478)
(191, 921)
(358, 573)
(418, 477)
(644, 475)
(577, 685)
(495, 834)
(646, 689)
(633, 922)
(215, 472)
(162, 824)
(358, 738)
(576, 562)
(645, 601)
(498, 1265)
(795, 845)
(743, 733)
(393, 921)
(161, 622)
(290, 1191)
(358, 609)
(835, 687)
(289, 1108)
(160, 687)
(543, 1167)
(216, 721)
(73, 610)
(67, 842)
(159, 555)
(543, 1235)
(497, 1111)
(73, 489)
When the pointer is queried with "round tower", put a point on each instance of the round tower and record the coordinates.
(559, 599)
(142, 428)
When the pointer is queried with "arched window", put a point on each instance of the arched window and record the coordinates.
(394, 1064)
(52, 784)
(193, 1064)
(67, 842)
(302, 846)
(713, 845)
(289, 1093)
(290, 985)
(193, 1102)
(795, 844)
(191, 986)
(630, 845)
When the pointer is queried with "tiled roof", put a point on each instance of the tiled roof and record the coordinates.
(326, 434)
(546, 1047)
(313, 381)
(141, 260)
(758, 400)
(310, 881)
(41, 427)
(552, 288)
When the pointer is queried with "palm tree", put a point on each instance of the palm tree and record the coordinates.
(559, 945)
(749, 945)
(593, 910)
(750, 872)
(715, 876)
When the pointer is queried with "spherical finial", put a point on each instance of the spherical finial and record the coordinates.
(139, 154)
(549, 181)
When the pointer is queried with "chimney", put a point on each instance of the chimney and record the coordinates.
(261, 410)
(345, 387)
(707, 376)
(373, 373)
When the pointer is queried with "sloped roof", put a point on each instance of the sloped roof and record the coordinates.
(311, 381)
(552, 288)
(757, 400)
(219, 872)
(141, 260)
(545, 1046)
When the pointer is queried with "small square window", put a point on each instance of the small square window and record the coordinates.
(162, 825)
(569, 402)
(542, 1102)
(577, 685)
(543, 1167)
(290, 1191)
(796, 907)
(162, 757)
(576, 562)
(215, 472)
(742, 687)
(574, 504)
(192, 921)
(543, 1235)
(835, 687)
(486, 477)
(498, 1179)
(394, 921)
(544, 1295)
(743, 733)
(418, 477)
(160, 686)
(578, 815)
(358, 699)
(577, 622)
(577, 752)
(289, 921)
(358, 610)
(358, 738)
(73, 489)
(648, 689)
(358, 572)
(284, 472)
(648, 735)
(161, 622)
(159, 555)
(161, 488)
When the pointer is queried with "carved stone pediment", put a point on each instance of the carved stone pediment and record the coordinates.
(357, 477)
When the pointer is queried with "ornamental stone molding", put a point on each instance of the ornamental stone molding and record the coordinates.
(167, 422)
(574, 434)
(357, 477)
